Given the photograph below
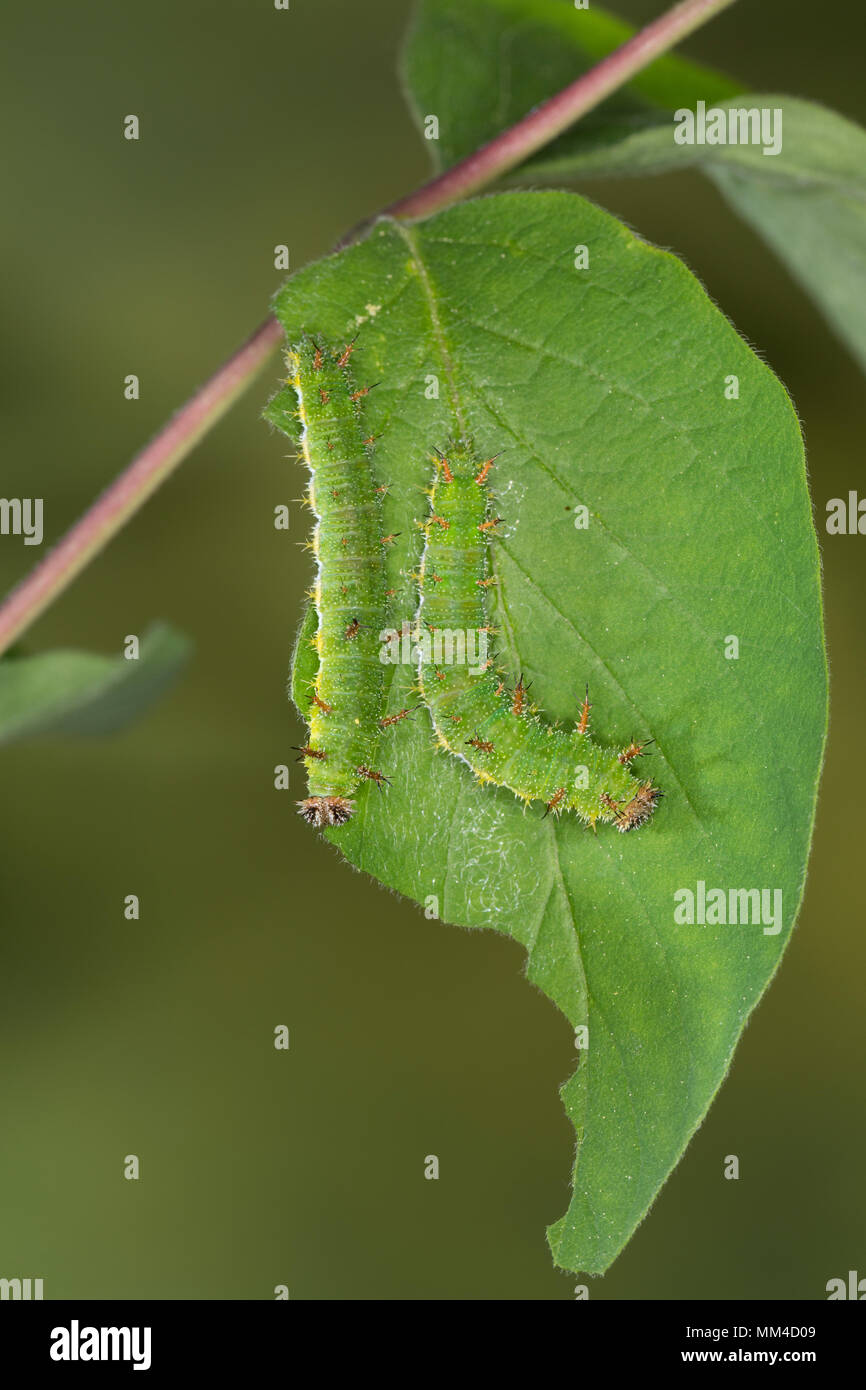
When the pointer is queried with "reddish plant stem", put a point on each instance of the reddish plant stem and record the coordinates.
(134, 485)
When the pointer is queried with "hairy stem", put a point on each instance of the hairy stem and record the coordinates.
(198, 415)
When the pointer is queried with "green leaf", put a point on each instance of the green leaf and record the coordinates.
(808, 202)
(280, 411)
(604, 387)
(481, 68)
(69, 692)
(305, 662)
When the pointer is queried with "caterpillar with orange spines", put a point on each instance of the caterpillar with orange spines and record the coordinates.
(348, 593)
(512, 745)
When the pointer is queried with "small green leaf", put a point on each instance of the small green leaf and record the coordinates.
(611, 387)
(305, 662)
(482, 66)
(70, 692)
(281, 412)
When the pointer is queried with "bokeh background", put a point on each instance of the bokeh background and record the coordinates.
(408, 1037)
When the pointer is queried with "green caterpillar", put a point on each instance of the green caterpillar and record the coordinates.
(348, 593)
(507, 744)
(495, 731)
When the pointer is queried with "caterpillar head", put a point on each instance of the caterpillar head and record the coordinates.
(326, 810)
(458, 460)
(637, 811)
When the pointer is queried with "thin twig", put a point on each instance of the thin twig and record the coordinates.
(193, 420)
(135, 484)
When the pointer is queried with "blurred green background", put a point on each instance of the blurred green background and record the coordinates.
(407, 1037)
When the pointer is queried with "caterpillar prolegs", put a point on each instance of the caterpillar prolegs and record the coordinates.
(494, 730)
(349, 587)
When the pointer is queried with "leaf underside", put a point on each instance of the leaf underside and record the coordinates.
(602, 387)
